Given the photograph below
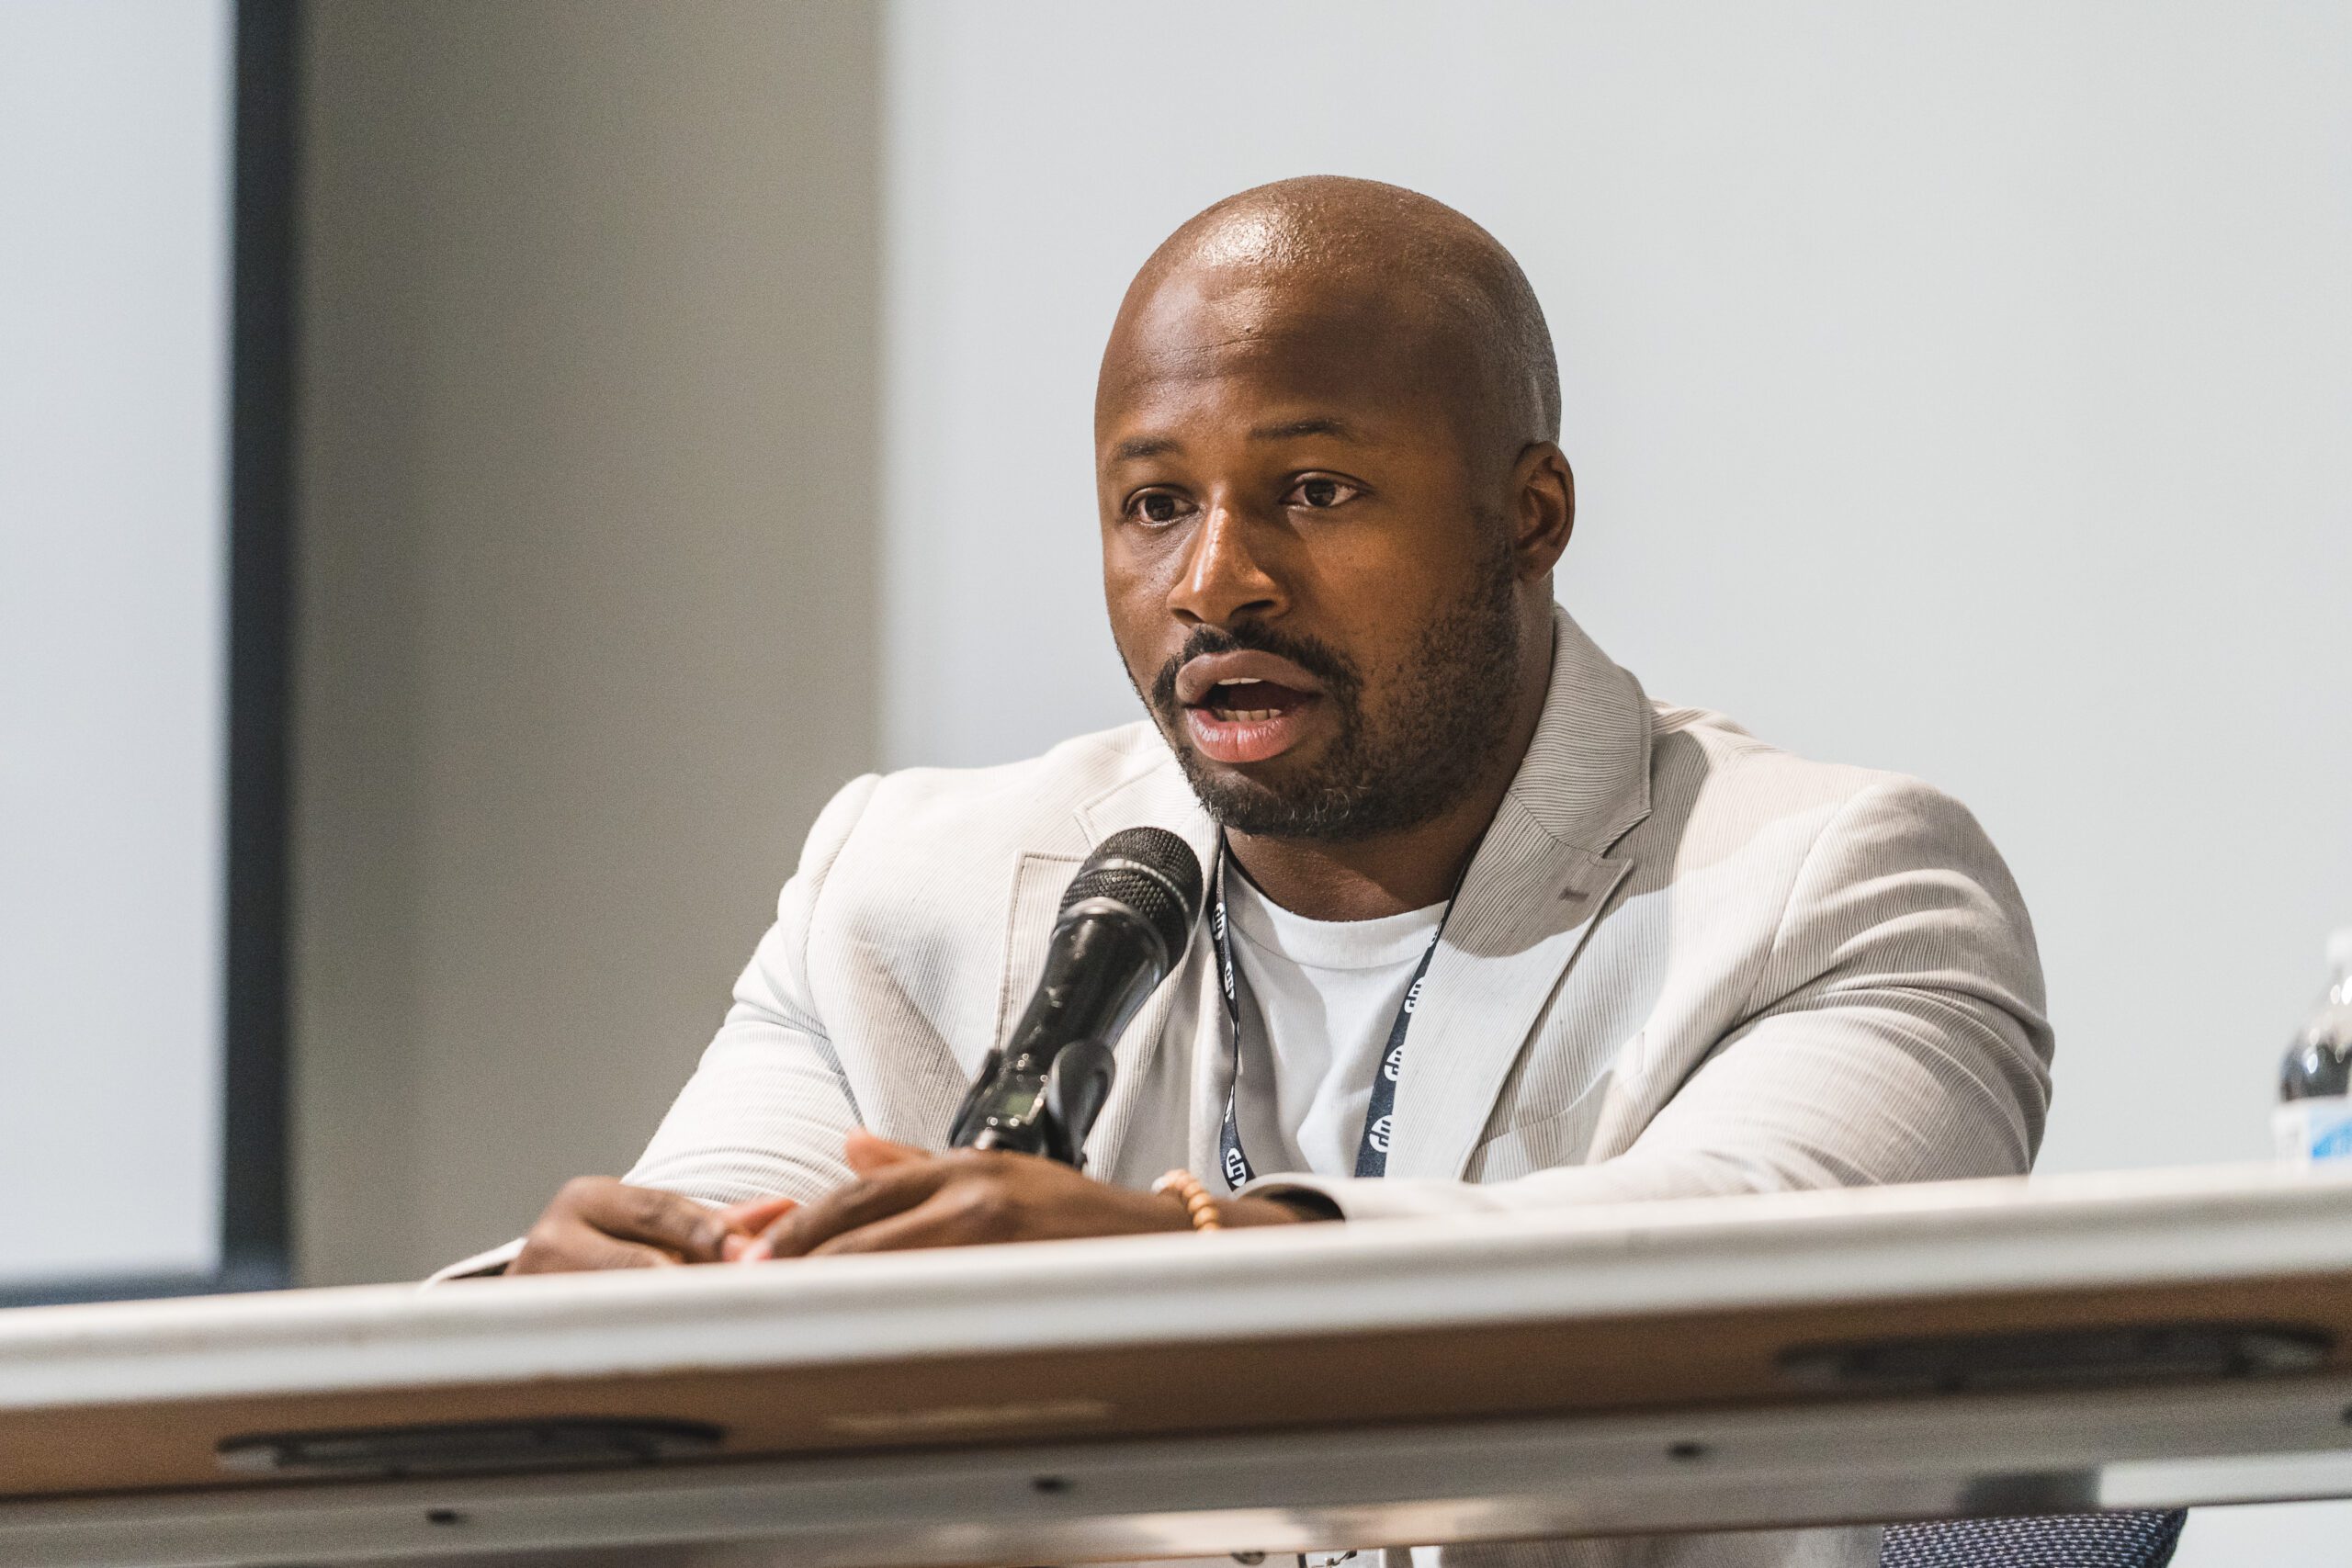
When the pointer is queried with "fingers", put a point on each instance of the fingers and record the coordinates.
(598, 1223)
(578, 1249)
(751, 1218)
(747, 1221)
(963, 1197)
(890, 1177)
(967, 1215)
(903, 1197)
(869, 1155)
(695, 1232)
(809, 1227)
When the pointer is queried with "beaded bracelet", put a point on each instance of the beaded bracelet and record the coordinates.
(1199, 1207)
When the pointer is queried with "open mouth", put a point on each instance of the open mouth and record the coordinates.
(1251, 701)
(1247, 707)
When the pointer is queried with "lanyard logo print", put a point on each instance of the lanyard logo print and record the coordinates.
(1380, 1116)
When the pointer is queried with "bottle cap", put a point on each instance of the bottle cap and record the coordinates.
(2339, 948)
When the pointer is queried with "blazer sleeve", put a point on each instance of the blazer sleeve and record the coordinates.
(767, 1108)
(1896, 1032)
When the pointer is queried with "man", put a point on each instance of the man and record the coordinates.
(1661, 957)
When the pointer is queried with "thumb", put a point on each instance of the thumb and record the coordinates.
(753, 1217)
(745, 1220)
(870, 1156)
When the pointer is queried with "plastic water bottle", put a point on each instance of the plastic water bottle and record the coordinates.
(2314, 1122)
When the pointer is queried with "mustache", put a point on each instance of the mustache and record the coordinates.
(1339, 675)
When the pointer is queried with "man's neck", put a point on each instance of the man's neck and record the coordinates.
(1371, 878)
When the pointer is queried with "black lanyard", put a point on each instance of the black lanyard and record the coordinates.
(1379, 1117)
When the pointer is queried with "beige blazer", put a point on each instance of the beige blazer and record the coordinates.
(1683, 962)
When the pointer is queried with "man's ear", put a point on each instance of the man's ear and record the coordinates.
(1544, 493)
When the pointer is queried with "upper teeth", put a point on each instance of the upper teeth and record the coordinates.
(1248, 716)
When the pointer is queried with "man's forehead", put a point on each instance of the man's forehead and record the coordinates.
(1266, 392)
(1156, 427)
(1199, 307)
(1310, 341)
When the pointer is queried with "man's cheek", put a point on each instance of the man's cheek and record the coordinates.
(1130, 623)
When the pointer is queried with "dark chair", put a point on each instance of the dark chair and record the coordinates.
(2050, 1541)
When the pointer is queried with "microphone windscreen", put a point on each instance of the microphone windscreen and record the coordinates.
(1151, 871)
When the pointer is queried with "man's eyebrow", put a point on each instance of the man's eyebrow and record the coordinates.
(1136, 447)
(1139, 447)
(1314, 424)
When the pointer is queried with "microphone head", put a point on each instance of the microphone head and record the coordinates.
(1151, 872)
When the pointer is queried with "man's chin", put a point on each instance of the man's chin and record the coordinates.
(1258, 800)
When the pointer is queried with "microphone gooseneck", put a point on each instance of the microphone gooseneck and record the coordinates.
(1124, 927)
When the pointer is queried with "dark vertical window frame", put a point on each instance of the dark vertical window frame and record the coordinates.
(256, 1232)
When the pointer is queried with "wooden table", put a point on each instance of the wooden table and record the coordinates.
(2152, 1338)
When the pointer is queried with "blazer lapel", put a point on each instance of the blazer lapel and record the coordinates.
(1157, 796)
(1542, 876)
(1540, 879)
(1038, 881)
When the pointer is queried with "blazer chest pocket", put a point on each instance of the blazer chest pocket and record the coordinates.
(1563, 1138)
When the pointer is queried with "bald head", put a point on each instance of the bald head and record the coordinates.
(1445, 306)
(1331, 499)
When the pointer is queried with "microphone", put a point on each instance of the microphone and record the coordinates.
(1125, 924)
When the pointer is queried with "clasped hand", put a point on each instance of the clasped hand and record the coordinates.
(901, 1197)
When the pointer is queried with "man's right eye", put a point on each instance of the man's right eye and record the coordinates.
(1156, 507)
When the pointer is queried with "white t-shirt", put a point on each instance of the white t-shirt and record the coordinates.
(1318, 999)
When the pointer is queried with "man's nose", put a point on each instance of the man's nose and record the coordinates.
(1223, 578)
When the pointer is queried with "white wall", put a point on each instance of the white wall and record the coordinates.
(1963, 396)
(114, 608)
(1961, 389)
(587, 441)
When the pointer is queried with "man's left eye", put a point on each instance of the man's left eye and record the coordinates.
(1320, 494)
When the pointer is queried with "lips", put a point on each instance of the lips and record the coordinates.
(1247, 706)
(1199, 676)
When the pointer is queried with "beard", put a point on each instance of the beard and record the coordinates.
(1411, 744)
